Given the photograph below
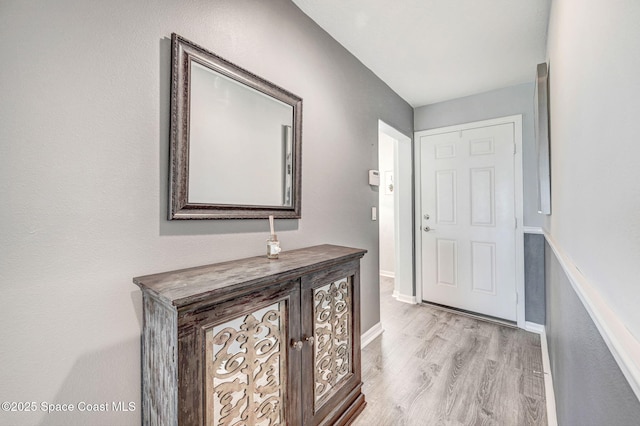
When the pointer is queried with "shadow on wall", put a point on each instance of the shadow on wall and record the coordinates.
(99, 387)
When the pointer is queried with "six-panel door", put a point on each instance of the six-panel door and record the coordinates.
(468, 220)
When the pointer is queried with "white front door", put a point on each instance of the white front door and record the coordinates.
(468, 219)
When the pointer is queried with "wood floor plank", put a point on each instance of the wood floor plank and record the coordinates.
(436, 367)
(481, 402)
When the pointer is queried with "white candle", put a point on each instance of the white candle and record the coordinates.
(271, 225)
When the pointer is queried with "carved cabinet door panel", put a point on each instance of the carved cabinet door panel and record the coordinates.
(330, 309)
(243, 366)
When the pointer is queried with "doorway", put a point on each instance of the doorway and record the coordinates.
(469, 241)
(395, 164)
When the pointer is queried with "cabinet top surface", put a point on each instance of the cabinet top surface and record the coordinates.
(186, 286)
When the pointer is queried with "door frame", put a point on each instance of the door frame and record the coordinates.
(518, 198)
(404, 290)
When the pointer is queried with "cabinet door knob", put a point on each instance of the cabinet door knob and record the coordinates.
(311, 340)
(297, 345)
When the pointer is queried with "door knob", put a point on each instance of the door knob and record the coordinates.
(297, 345)
(427, 229)
(310, 340)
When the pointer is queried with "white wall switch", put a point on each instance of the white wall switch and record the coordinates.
(374, 213)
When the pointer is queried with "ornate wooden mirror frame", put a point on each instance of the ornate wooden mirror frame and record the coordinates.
(243, 150)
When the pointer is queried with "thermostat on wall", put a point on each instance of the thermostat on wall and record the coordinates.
(374, 178)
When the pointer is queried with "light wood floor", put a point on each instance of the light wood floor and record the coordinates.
(433, 367)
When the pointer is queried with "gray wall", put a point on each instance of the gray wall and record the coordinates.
(83, 178)
(590, 389)
(534, 309)
(496, 103)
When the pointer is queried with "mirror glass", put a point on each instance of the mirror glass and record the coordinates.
(233, 125)
(235, 141)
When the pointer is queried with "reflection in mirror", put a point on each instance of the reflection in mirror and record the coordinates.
(235, 141)
(230, 121)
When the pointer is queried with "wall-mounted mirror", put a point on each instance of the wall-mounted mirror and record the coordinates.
(235, 140)
(541, 119)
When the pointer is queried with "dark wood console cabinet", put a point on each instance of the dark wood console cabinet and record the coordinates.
(254, 341)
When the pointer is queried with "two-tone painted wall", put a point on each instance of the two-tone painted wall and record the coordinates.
(84, 134)
(592, 254)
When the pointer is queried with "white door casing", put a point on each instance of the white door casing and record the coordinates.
(403, 220)
(469, 186)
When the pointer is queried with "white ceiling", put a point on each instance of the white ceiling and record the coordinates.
(429, 51)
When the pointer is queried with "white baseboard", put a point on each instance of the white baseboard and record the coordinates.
(389, 274)
(550, 396)
(533, 327)
(370, 335)
(405, 298)
(552, 419)
(395, 294)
